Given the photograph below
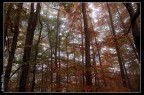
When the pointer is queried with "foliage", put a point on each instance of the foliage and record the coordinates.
(69, 74)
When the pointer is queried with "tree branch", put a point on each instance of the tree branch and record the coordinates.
(16, 71)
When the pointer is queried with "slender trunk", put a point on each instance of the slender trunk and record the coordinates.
(94, 64)
(87, 47)
(59, 69)
(98, 50)
(42, 85)
(13, 48)
(75, 65)
(131, 44)
(67, 63)
(32, 22)
(83, 80)
(56, 64)
(128, 81)
(35, 59)
(51, 74)
(6, 21)
(135, 29)
(67, 89)
(117, 49)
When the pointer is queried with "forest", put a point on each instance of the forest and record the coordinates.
(71, 47)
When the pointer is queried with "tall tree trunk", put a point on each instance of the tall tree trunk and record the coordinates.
(13, 47)
(32, 22)
(82, 50)
(42, 80)
(125, 70)
(51, 61)
(135, 29)
(56, 47)
(59, 67)
(35, 59)
(6, 21)
(87, 47)
(98, 51)
(94, 64)
(67, 87)
(67, 62)
(130, 41)
(117, 48)
(51, 74)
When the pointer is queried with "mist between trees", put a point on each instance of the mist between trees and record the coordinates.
(72, 47)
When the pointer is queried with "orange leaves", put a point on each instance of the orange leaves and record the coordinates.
(89, 88)
(104, 65)
(115, 89)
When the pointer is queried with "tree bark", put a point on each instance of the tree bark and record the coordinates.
(56, 47)
(6, 21)
(82, 46)
(130, 41)
(87, 47)
(32, 22)
(13, 47)
(117, 48)
(36, 52)
(98, 51)
(135, 29)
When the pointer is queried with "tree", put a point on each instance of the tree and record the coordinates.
(87, 47)
(36, 54)
(57, 74)
(135, 30)
(132, 45)
(70, 47)
(32, 22)
(117, 48)
(13, 45)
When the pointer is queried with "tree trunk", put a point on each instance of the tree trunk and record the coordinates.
(94, 64)
(82, 46)
(135, 29)
(6, 21)
(32, 22)
(67, 88)
(131, 44)
(35, 59)
(117, 48)
(98, 51)
(13, 47)
(56, 64)
(87, 47)
(67, 63)
(51, 74)
(59, 67)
